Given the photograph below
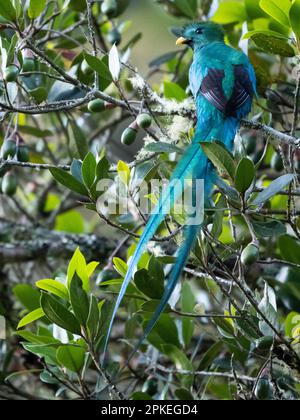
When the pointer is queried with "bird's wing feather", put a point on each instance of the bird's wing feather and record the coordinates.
(212, 89)
(243, 91)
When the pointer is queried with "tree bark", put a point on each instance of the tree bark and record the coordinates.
(22, 243)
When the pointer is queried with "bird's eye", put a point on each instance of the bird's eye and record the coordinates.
(199, 31)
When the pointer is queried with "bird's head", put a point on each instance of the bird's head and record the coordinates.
(199, 34)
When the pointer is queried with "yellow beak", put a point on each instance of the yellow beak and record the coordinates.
(181, 41)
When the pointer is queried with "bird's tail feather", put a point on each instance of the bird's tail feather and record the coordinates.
(194, 165)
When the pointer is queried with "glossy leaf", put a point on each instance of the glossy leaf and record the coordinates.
(79, 300)
(67, 180)
(245, 174)
(220, 157)
(174, 91)
(7, 10)
(93, 318)
(36, 7)
(230, 12)
(59, 314)
(71, 357)
(277, 9)
(295, 17)
(54, 287)
(31, 317)
(89, 170)
(28, 296)
(274, 188)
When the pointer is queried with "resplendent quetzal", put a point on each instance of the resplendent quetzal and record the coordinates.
(223, 83)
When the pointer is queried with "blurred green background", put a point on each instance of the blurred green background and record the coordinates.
(149, 17)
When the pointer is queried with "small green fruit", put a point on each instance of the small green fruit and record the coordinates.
(277, 163)
(129, 136)
(9, 184)
(114, 37)
(250, 254)
(11, 73)
(263, 390)
(22, 153)
(109, 8)
(8, 149)
(144, 121)
(28, 65)
(97, 105)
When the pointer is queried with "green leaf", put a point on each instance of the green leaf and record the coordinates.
(35, 8)
(188, 303)
(76, 170)
(270, 313)
(71, 357)
(230, 12)
(80, 139)
(102, 169)
(31, 317)
(149, 286)
(277, 9)
(37, 339)
(269, 229)
(36, 132)
(100, 67)
(253, 10)
(42, 351)
(289, 249)
(164, 331)
(120, 266)
(273, 45)
(174, 91)
(211, 354)
(161, 147)
(67, 180)
(245, 174)
(78, 264)
(79, 300)
(93, 318)
(183, 395)
(295, 17)
(54, 287)
(124, 172)
(274, 188)
(266, 32)
(7, 10)
(39, 94)
(58, 314)
(91, 267)
(89, 170)
(28, 296)
(220, 157)
(181, 361)
(291, 322)
(225, 327)
(187, 7)
(141, 396)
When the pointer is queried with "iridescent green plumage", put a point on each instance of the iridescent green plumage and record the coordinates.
(223, 83)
